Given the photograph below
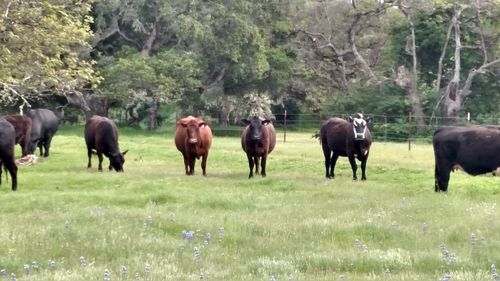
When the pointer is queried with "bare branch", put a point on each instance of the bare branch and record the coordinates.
(6, 13)
(441, 58)
(10, 89)
(115, 28)
(481, 32)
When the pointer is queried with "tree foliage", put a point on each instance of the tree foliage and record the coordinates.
(44, 49)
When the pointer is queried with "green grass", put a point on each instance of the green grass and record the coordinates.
(293, 223)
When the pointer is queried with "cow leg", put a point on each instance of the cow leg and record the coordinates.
(192, 162)
(99, 155)
(442, 175)
(46, 145)
(264, 163)
(363, 168)
(256, 161)
(40, 148)
(333, 162)
(24, 150)
(328, 154)
(250, 165)
(89, 154)
(354, 167)
(204, 163)
(12, 168)
(186, 163)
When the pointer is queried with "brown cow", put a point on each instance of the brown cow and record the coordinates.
(350, 139)
(22, 125)
(258, 140)
(101, 134)
(193, 139)
(7, 142)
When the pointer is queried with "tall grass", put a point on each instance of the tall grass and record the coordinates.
(154, 223)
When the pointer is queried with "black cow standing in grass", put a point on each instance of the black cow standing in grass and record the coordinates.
(44, 125)
(7, 143)
(476, 149)
(350, 138)
(101, 134)
(258, 140)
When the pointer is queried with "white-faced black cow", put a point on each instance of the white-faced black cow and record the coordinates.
(44, 125)
(7, 142)
(101, 134)
(476, 149)
(258, 140)
(350, 138)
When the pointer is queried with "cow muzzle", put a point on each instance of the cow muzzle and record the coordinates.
(193, 140)
(359, 136)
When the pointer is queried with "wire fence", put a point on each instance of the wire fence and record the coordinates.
(387, 128)
(384, 127)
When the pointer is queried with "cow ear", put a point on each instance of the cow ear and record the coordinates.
(350, 119)
(245, 121)
(202, 124)
(266, 121)
(184, 125)
(369, 120)
(125, 152)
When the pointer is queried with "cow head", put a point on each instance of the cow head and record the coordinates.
(116, 160)
(359, 125)
(193, 129)
(255, 127)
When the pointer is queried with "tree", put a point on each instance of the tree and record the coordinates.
(455, 92)
(44, 49)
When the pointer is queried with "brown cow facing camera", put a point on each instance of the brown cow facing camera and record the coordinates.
(193, 138)
(101, 135)
(258, 140)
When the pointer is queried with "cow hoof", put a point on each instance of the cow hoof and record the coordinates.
(263, 175)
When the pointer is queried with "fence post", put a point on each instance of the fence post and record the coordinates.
(385, 127)
(409, 131)
(284, 134)
(468, 118)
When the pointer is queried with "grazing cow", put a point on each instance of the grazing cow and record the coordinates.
(258, 140)
(476, 149)
(193, 139)
(22, 125)
(350, 138)
(43, 128)
(7, 143)
(101, 134)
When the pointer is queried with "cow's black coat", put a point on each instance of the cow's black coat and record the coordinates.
(350, 139)
(7, 142)
(44, 125)
(101, 134)
(476, 149)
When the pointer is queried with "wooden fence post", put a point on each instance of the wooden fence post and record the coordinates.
(409, 131)
(284, 134)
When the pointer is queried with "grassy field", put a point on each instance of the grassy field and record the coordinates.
(67, 222)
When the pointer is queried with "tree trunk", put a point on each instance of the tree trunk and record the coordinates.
(153, 114)
(408, 84)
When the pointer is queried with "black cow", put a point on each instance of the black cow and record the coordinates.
(350, 138)
(101, 134)
(476, 149)
(258, 140)
(44, 125)
(7, 143)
